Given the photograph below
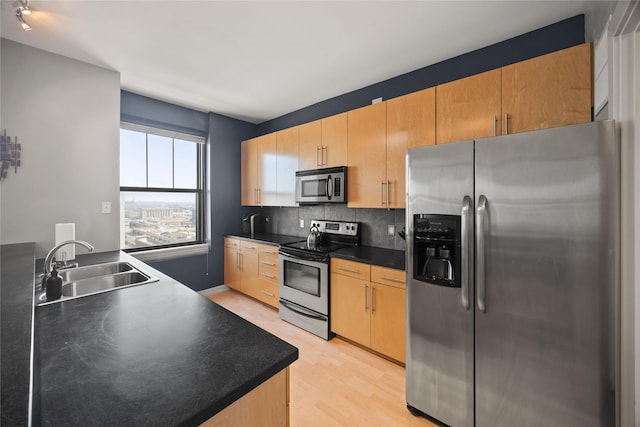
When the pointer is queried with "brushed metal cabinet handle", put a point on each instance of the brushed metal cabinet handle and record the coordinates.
(318, 162)
(392, 279)
(388, 193)
(506, 124)
(270, 276)
(381, 193)
(350, 270)
(373, 299)
(324, 163)
(271, 294)
(480, 252)
(270, 264)
(495, 125)
(366, 298)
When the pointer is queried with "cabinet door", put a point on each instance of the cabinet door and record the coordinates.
(267, 170)
(286, 166)
(249, 172)
(469, 108)
(310, 139)
(548, 91)
(249, 270)
(333, 150)
(367, 156)
(388, 321)
(232, 267)
(411, 122)
(350, 308)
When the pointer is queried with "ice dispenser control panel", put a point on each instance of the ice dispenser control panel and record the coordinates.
(436, 249)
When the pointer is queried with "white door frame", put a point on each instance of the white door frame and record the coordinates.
(624, 59)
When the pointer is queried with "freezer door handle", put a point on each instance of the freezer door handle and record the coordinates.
(466, 248)
(481, 214)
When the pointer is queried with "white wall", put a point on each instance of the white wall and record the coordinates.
(66, 114)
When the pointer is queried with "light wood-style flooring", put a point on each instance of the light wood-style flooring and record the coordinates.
(333, 383)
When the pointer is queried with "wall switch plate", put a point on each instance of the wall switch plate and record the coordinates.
(391, 230)
(302, 223)
(106, 207)
(376, 101)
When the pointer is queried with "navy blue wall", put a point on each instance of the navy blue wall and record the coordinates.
(223, 135)
(563, 34)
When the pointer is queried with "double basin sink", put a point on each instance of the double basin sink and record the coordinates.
(94, 279)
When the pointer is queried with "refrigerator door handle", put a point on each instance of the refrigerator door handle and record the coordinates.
(466, 248)
(481, 213)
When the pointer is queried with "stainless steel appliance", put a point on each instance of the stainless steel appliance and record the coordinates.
(512, 279)
(327, 185)
(304, 274)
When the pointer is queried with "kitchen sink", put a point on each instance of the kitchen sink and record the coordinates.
(94, 279)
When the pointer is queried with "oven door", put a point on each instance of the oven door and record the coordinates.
(304, 282)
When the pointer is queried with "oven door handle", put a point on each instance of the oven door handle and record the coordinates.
(292, 308)
(309, 258)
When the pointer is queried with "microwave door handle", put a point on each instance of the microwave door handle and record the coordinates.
(329, 187)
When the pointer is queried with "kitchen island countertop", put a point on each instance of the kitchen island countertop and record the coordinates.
(154, 354)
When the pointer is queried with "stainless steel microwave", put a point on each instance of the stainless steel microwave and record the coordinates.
(316, 186)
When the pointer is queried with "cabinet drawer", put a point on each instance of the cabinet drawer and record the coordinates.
(267, 293)
(249, 246)
(350, 268)
(268, 250)
(388, 276)
(268, 273)
(230, 242)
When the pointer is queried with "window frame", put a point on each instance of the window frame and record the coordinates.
(199, 191)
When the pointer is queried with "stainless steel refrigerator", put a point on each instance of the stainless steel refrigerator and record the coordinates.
(512, 279)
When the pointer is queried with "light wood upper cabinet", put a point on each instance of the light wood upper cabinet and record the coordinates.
(411, 122)
(287, 165)
(323, 143)
(367, 156)
(258, 177)
(469, 108)
(333, 150)
(310, 135)
(249, 176)
(267, 163)
(548, 91)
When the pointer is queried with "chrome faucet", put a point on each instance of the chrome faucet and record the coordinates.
(48, 261)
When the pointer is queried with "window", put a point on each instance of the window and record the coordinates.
(161, 188)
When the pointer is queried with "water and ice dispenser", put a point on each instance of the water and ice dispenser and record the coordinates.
(437, 249)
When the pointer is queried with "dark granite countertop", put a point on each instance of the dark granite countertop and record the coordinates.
(268, 238)
(17, 265)
(154, 354)
(383, 257)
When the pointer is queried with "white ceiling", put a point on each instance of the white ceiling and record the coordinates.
(259, 60)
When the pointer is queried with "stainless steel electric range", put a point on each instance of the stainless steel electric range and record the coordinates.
(304, 274)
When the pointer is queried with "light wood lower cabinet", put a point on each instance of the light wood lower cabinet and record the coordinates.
(252, 268)
(368, 306)
(266, 405)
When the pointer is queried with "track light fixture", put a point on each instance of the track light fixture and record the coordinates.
(21, 11)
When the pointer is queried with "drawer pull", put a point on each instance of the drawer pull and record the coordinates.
(269, 252)
(249, 247)
(270, 264)
(267, 293)
(350, 270)
(392, 279)
(270, 276)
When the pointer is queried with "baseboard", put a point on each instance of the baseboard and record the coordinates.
(215, 290)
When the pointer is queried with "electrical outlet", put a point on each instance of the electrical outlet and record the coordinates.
(106, 207)
(302, 223)
(391, 230)
(376, 100)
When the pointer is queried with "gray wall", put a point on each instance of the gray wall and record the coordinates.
(66, 114)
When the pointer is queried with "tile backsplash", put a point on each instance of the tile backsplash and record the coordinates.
(374, 222)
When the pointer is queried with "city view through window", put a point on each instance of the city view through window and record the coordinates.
(156, 219)
(159, 194)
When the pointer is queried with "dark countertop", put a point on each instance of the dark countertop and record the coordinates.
(17, 264)
(383, 257)
(154, 354)
(268, 238)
